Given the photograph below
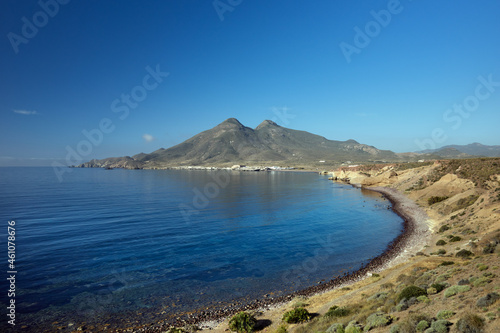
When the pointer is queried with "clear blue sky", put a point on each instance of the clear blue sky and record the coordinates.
(283, 60)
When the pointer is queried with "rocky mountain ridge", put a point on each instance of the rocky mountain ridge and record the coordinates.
(231, 142)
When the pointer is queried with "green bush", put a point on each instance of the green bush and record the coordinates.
(336, 328)
(440, 242)
(297, 315)
(455, 239)
(444, 228)
(335, 311)
(352, 328)
(423, 299)
(438, 286)
(242, 323)
(445, 314)
(422, 326)
(453, 290)
(440, 326)
(446, 263)
(411, 291)
(441, 251)
(378, 319)
(464, 254)
(433, 200)
(482, 281)
(470, 323)
(482, 267)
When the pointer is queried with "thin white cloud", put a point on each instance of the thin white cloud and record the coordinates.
(148, 137)
(25, 112)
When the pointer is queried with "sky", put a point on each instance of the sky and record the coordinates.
(95, 79)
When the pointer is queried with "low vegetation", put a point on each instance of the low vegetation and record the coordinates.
(432, 200)
(411, 291)
(242, 322)
(470, 323)
(297, 315)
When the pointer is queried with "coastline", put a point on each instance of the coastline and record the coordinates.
(414, 236)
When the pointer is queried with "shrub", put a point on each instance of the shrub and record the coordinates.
(378, 296)
(489, 248)
(353, 328)
(431, 291)
(422, 326)
(466, 202)
(444, 228)
(464, 254)
(453, 290)
(482, 267)
(487, 300)
(482, 281)
(336, 328)
(441, 251)
(446, 263)
(440, 242)
(455, 239)
(423, 299)
(378, 319)
(434, 199)
(297, 315)
(438, 286)
(242, 322)
(470, 323)
(445, 314)
(440, 326)
(335, 311)
(411, 291)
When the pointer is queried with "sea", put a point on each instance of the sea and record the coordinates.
(133, 247)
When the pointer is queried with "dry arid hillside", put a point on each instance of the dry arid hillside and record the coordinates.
(451, 284)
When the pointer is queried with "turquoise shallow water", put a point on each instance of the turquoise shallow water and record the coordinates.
(114, 242)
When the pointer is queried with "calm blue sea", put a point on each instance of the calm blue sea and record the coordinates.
(119, 243)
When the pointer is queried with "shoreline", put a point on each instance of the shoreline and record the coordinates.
(414, 236)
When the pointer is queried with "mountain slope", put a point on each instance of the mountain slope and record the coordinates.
(475, 148)
(233, 143)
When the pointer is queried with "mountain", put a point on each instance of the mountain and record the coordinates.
(233, 143)
(475, 149)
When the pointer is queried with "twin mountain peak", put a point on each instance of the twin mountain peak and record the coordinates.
(231, 143)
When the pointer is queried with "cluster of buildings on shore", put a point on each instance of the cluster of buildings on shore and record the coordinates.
(236, 167)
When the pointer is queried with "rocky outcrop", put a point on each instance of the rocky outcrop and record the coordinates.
(126, 162)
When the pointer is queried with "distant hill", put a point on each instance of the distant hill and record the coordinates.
(475, 149)
(233, 143)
